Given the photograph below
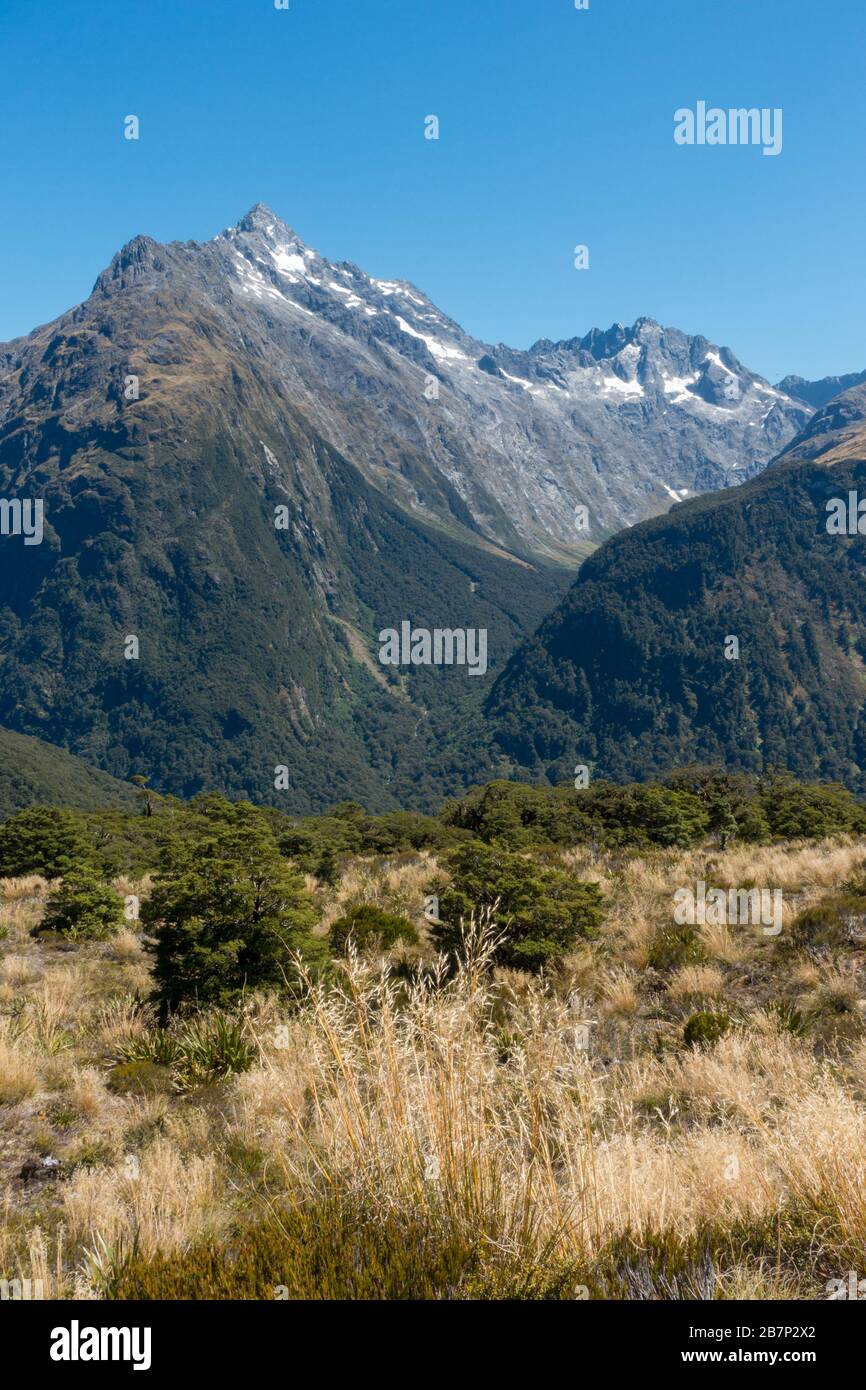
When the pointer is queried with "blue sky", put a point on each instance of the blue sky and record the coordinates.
(556, 129)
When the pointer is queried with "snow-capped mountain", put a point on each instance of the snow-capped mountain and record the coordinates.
(497, 442)
(252, 460)
(622, 422)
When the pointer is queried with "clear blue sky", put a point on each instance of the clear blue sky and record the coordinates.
(556, 129)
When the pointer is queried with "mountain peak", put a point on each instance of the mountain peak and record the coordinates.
(138, 257)
(264, 220)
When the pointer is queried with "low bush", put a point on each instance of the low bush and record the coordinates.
(366, 926)
(705, 1028)
(673, 947)
(195, 1052)
(329, 1251)
(540, 912)
(83, 908)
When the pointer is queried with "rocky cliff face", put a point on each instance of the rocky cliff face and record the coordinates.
(205, 604)
(818, 393)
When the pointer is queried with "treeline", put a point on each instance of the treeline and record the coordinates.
(229, 911)
(686, 808)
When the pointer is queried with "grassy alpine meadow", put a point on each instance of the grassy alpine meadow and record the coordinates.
(485, 1065)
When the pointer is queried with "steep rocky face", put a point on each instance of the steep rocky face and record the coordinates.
(732, 630)
(508, 442)
(836, 431)
(206, 601)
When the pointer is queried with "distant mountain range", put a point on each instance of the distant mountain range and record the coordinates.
(818, 393)
(253, 460)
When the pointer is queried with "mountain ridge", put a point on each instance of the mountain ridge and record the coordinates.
(620, 421)
(635, 672)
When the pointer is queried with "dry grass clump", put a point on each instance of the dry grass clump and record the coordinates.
(396, 885)
(140, 888)
(723, 943)
(415, 1107)
(158, 1200)
(19, 1072)
(87, 1092)
(17, 970)
(125, 946)
(795, 868)
(19, 917)
(838, 989)
(619, 993)
(693, 983)
(23, 889)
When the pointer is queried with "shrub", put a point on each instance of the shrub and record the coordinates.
(675, 946)
(229, 914)
(83, 908)
(787, 1017)
(43, 840)
(143, 1076)
(367, 925)
(705, 1028)
(331, 1251)
(196, 1052)
(838, 921)
(542, 912)
(805, 810)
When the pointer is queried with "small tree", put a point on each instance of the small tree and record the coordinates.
(43, 840)
(542, 912)
(84, 907)
(228, 912)
(365, 925)
(145, 795)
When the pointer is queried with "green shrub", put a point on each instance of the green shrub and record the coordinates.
(142, 1076)
(675, 946)
(705, 1028)
(787, 1018)
(330, 1251)
(195, 1052)
(837, 921)
(229, 914)
(542, 912)
(811, 810)
(83, 908)
(367, 926)
(43, 840)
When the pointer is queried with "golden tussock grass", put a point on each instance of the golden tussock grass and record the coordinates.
(19, 1073)
(158, 1200)
(545, 1116)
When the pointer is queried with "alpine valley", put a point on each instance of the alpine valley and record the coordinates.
(253, 461)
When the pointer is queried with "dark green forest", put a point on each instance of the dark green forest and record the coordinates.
(630, 674)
